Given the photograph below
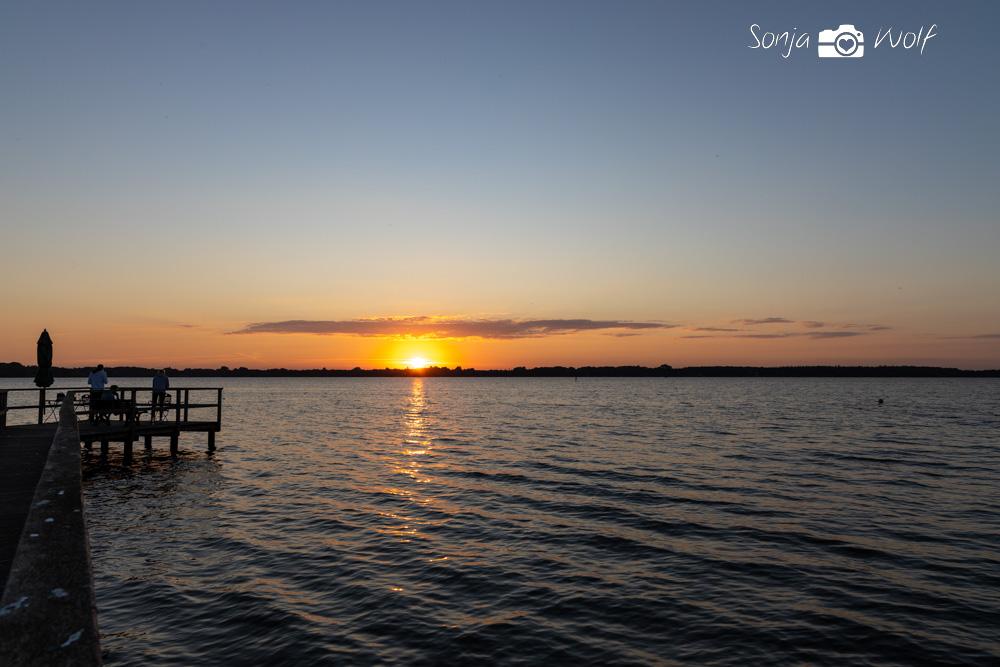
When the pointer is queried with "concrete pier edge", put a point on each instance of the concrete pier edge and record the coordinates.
(48, 613)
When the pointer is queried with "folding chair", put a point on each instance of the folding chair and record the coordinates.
(161, 409)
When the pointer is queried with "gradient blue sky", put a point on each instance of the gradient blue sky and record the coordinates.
(227, 164)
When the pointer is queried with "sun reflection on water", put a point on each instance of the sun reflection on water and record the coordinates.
(416, 441)
(409, 460)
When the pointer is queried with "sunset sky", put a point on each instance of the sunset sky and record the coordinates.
(495, 184)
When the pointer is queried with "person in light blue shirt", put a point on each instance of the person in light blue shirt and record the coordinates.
(97, 379)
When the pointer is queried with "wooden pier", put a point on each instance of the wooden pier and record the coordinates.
(129, 420)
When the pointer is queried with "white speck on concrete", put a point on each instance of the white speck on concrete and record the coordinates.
(72, 638)
(42, 502)
(49, 520)
(58, 593)
(34, 534)
(61, 492)
(14, 606)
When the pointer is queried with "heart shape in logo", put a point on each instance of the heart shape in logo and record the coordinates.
(846, 44)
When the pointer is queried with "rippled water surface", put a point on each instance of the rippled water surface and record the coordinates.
(454, 521)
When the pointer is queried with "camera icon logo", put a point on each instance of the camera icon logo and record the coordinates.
(844, 42)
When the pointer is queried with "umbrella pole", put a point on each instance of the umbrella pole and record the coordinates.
(41, 405)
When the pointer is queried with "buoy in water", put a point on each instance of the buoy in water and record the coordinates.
(880, 400)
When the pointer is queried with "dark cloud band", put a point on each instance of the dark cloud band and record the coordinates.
(445, 327)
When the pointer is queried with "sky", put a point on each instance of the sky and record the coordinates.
(496, 184)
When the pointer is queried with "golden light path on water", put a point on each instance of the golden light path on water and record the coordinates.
(408, 461)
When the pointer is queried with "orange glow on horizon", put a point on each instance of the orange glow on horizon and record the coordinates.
(421, 353)
(119, 342)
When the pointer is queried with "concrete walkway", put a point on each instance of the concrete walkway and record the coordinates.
(23, 452)
(48, 611)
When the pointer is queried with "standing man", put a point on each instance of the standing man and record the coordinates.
(160, 385)
(97, 380)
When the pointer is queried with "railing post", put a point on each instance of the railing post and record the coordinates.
(218, 412)
(187, 399)
(133, 421)
(41, 405)
(134, 417)
(3, 409)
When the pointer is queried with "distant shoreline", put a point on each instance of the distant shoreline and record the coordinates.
(17, 370)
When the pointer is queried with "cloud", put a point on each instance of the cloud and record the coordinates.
(815, 335)
(973, 337)
(805, 334)
(807, 324)
(766, 320)
(866, 327)
(711, 329)
(445, 327)
(833, 334)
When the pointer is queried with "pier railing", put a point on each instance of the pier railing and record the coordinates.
(17, 402)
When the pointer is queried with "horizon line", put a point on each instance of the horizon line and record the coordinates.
(458, 370)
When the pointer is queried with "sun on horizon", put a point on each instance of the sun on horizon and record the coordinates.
(417, 362)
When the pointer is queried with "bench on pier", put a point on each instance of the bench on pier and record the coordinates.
(103, 409)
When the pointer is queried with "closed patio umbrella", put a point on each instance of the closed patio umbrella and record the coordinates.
(44, 377)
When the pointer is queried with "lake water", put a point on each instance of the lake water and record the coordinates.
(514, 521)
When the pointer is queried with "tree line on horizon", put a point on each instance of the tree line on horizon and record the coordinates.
(17, 370)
